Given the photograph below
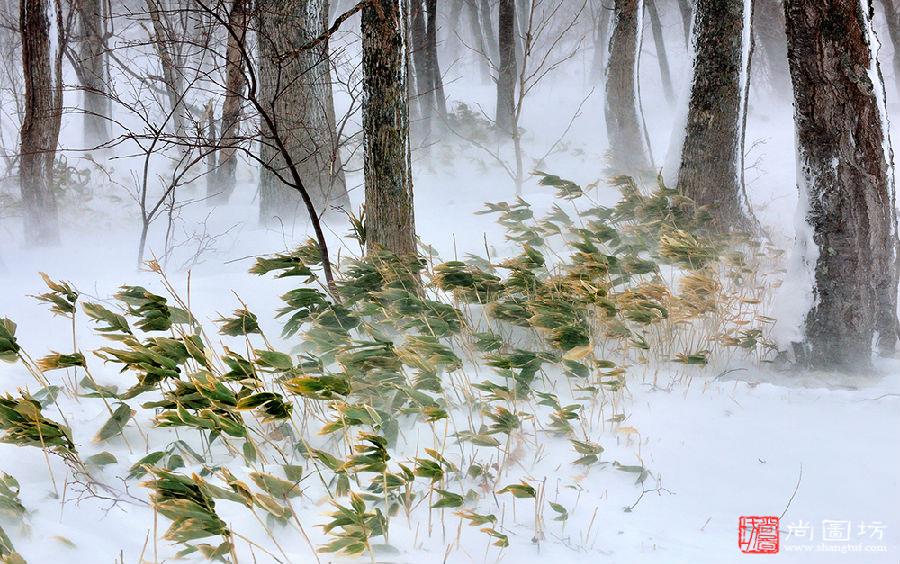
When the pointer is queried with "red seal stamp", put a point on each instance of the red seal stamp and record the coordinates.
(758, 535)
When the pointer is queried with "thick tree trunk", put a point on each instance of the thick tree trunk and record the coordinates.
(712, 157)
(92, 72)
(506, 80)
(892, 17)
(390, 224)
(235, 86)
(628, 151)
(660, 43)
(295, 88)
(845, 179)
(40, 126)
(434, 65)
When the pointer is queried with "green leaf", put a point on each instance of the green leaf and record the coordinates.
(114, 425)
(274, 486)
(448, 499)
(101, 459)
(522, 491)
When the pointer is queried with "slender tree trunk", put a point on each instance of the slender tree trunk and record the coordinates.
(601, 41)
(487, 27)
(434, 65)
(845, 180)
(235, 87)
(523, 8)
(712, 157)
(454, 22)
(40, 126)
(390, 223)
(92, 63)
(164, 42)
(768, 30)
(892, 17)
(506, 81)
(211, 158)
(423, 89)
(628, 152)
(477, 38)
(684, 8)
(660, 43)
(295, 88)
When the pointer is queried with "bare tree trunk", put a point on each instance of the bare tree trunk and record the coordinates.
(487, 28)
(768, 30)
(295, 89)
(506, 81)
(477, 38)
(211, 160)
(434, 65)
(164, 41)
(456, 11)
(40, 126)
(845, 179)
(660, 43)
(712, 157)
(424, 94)
(235, 86)
(92, 72)
(523, 7)
(600, 35)
(390, 223)
(623, 123)
(684, 7)
(892, 17)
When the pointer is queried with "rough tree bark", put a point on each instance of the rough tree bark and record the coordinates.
(628, 152)
(712, 156)
(235, 86)
(92, 72)
(295, 89)
(40, 126)
(845, 178)
(660, 43)
(506, 80)
(389, 222)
